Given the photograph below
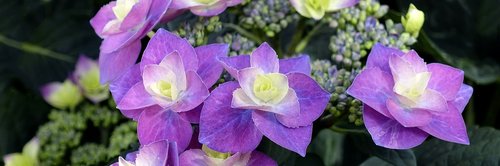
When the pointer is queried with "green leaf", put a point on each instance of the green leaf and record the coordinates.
(483, 150)
(375, 161)
(276, 152)
(396, 157)
(328, 146)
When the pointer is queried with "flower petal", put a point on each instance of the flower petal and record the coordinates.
(445, 79)
(137, 97)
(209, 68)
(233, 64)
(340, 4)
(194, 95)
(260, 159)
(192, 116)
(401, 69)
(288, 107)
(138, 14)
(209, 10)
(120, 87)
(102, 18)
(159, 124)
(171, 14)
(415, 61)
(226, 129)
(182, 4)
(174, 63)
(448, 126)
(463, 96)
(113, 65)
(299, 64)
(312, 98)
(300, 7)
(192, 157)
(242, 101)
(379, 57)
(163, 43)
(389, 133)
(265, 58)
(433, 101)
(246, 78)
(155, 153)
(233, 2)
(294, 139)
(408, 117)
(373, 87)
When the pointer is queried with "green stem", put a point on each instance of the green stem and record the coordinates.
(346, 131)
(297, 36)
(303, 43)
(34, 49)
(243, 32)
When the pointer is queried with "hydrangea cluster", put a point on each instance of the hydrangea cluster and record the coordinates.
(238, 44)
(271, 16)
(358, 29)
(197, 30)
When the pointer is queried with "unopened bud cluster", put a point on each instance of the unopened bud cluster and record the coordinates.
(271, 16)
(197, 31)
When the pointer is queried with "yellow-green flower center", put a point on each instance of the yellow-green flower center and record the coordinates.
(164, 89)
(123, 7)
(413, 87)
(207, 2)
(270, 87)
(317, 4)
(215, 154)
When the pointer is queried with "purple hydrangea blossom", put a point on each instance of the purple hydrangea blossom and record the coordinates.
(122, 24)
(160, 153)
(201, 158)
(165, 92)
(275, 98)
(204, 7)
(86, 76)
(406, 99)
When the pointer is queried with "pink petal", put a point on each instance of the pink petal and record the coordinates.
(445, 79)
(235, 63)
(246, 78)
(155, 125)
(209, 67)
(294, 139)
(113, 65)
(265, 58)
(194, 95)
(207, 11)
(83, 65)
(379, 57)
(193, 157)
(288, 107)
(389, 133)
(120, 87)
(408, 117)
(299, 64)
(174, 63)
(463, 96)
(242, 101)
(373, 87)
(415, 61)
(137, 14)
(312, 98)
(226, 129)
(193, 116)
(103, 16)
(137, 97)
(163, 43)
(448, 126)
(400, 68)
(156, 153)
(182, 4)
(433, 101)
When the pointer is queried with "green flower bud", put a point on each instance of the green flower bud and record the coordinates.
(413, 21)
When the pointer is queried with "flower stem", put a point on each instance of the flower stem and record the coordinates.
(35, 49)
(303, 43)
(243, 32)
(347, 131)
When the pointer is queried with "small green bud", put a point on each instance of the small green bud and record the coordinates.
(413, 21)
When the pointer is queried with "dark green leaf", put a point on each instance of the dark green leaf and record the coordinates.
(276, 152)
(328, 146)
(375, 161)
(396, 157)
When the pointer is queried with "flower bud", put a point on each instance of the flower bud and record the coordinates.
(413, 20)
(62, 95)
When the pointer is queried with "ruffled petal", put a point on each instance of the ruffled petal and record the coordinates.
(226, 129)
(299, 64)
(192, 157)
(102, 18)
(401, 69)
(194, 95)
(288, 107)
(408, 117)
(137, 97)
(246, 78)
(373, 87)
(155, 125)
(209, 10)
(294, 139)
(340, 4)
(445, 79)
(235, 63)
(174, 63)
(448, 126)
(209, 68)
(312, 98)
(265, 58)
(390, 133)
(137, 14)
(163, 43)
(242, 101)
(379, 57)
(115, 64)
(415, 61)
(155, 153)
(433, 101)
(463, 96)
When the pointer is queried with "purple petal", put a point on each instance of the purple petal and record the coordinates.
(294, 139)
(113, 65)
(373, 87)
(173, 154)
(265, 58)
(194, 95)
(299, 64)
(235, 63)
(159, 124)
(182, 4)
(408, 117)
(155, 153)
(171, 14)
(137, 14)
(193, 116)
(83, 65)
(246, 78)
(448, 126)
(415, 61)
(242, 101)
(209, 10)
(445, 79)
(463, 96)
(312, 98)
(163, 43)
(340, 4)
(209, 68)
(226, 129)
(48, 89)
(137, 97)
(120, 87)
(433, 101)
(288, 107)
(401, 69)
(103, 16)
(260, 159)
(174, 63)
(389, 133)
(192, 157)
(379, 57)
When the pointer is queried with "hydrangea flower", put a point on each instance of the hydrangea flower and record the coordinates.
(275, 98)
(204, 7)
(208, 157)
(122, 24)
(86, 76)
(62, 95)
(159, 153)
(165, 91)
(316, 9)
(406, 99)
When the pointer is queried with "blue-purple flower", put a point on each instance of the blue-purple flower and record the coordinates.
(272, 97)
(159, 153)
(122, 24)
(165, 92)
(406, 99)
